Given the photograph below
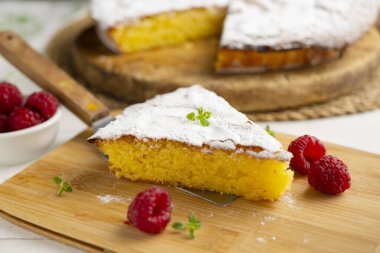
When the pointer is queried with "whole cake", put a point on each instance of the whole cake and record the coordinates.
(194, 138)
(257, 35)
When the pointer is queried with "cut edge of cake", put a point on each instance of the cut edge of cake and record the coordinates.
(135, 27)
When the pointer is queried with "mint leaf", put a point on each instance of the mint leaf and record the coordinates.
(178, 226)
(270, 131)
(191, 116)
(191, 234)
(204, 122)
(193, 222)
(57, 180)
(192, 226)
(202, 116)
(67, 187)
(207, 115)
(63, 186)
(191, 218)
(197, 225)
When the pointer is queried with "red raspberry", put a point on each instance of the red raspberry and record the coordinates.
(43, 102)
(23, 118)
(3, 123)
(329, 175)
(150, 211)
(306, 150)
(10, 98)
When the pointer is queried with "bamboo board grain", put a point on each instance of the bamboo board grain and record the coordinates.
(136, 77)
(302, 221)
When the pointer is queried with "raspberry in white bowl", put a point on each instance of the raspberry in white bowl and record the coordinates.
(16, 115)
(27, 126)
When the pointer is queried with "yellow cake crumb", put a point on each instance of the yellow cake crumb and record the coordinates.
(168, 29)
(177, 163)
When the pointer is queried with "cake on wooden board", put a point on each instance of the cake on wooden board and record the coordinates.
(257, 35)
(133, 78)
(157, 141)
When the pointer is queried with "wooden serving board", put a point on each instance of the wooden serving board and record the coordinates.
(302, 221)
(138, 76)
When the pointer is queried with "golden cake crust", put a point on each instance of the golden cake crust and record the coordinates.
(248, 150)
(244, 61)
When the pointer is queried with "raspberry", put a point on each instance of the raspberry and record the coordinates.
(329, 175)
(150, 211)
(42, 102)
(10, 98)
(306, 150)
(23, 118)
(3, 123)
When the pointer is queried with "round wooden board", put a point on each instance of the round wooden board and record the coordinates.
(139, 76)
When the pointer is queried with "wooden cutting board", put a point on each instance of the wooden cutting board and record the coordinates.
(302, 221)
(138, 76)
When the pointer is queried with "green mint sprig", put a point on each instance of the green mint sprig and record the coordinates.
(270, 131)
(192, 226)
(202, 116)
(63, 186)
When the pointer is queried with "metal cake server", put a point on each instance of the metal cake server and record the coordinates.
(78, 99)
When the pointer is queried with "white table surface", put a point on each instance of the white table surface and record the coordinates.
(37, 21)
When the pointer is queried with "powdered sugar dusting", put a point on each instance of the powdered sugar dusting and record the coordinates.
(289, 200)
(164, 117)
(111, 12)
(287, 24)
(266, 219)
(107, 199)
(261, 239)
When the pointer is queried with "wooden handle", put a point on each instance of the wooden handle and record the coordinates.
(49, 76)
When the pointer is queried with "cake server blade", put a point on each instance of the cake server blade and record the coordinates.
(219, 199)
(74, 96)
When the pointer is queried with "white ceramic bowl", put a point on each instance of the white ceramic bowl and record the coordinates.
(27, 144)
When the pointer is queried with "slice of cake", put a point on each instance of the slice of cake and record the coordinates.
(194, 138)
(132, 25)
(262, 35)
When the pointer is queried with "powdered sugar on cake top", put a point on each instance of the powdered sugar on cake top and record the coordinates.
(289, 24)
(164, 117)
(109, 13)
